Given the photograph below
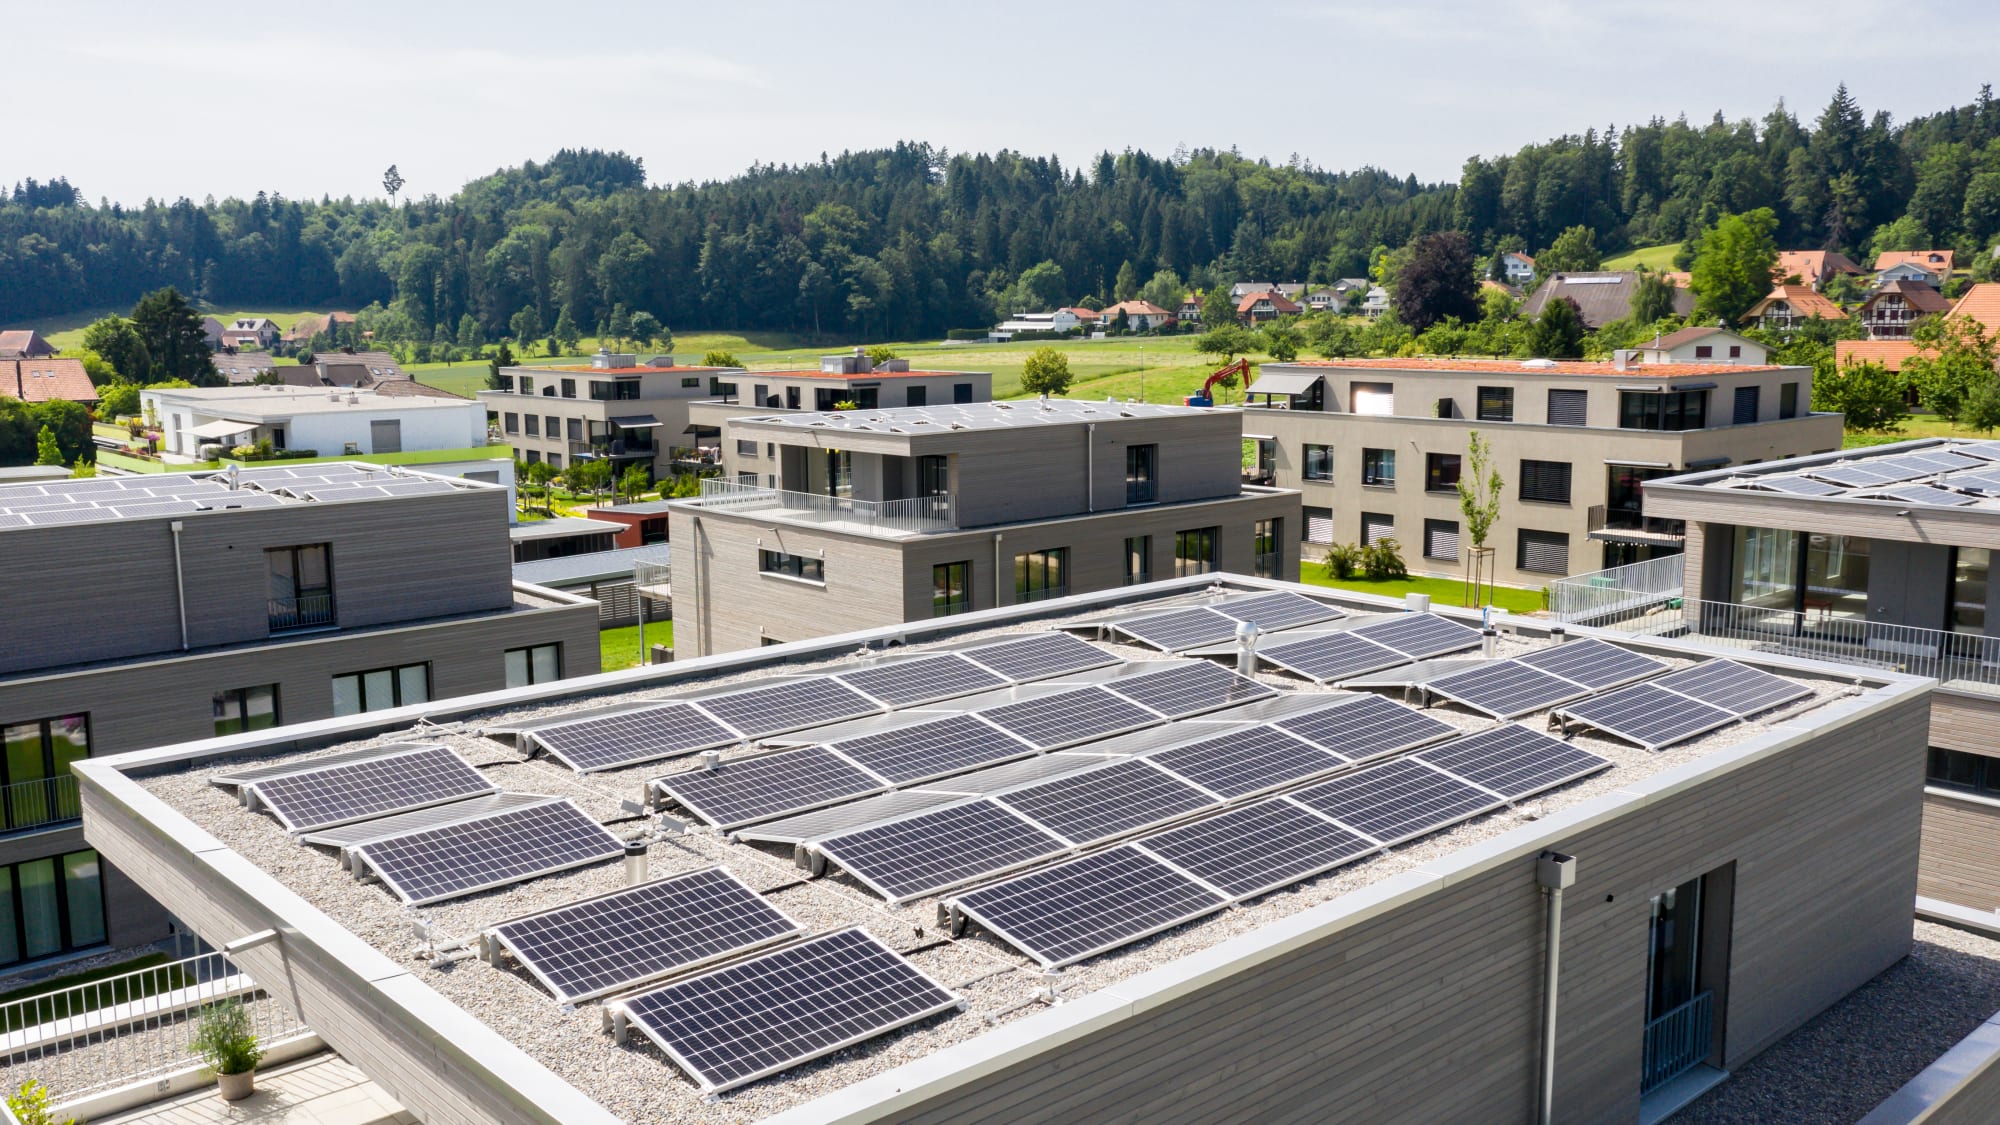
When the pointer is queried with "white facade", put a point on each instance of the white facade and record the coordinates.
(1909, 271)
(330, 423)
(1715, 347)
(1520, 268)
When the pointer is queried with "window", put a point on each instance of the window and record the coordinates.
(381, 688)
(248, 708)
(1788, 400)
(40, 789)
(839, 473)
(1545, 481)
(1569, 408)
(1378, 467)
(527, 385)
(1969, 568)
(1441, 540)
(720, 389)
(1141, 463)
(1704, 351)
(1673, 410)
(51, 905)
(1138, 559)
(1318, 462)
(1736, 351)
(1041, 575)
(1543, 552)
(1375, 527)
(961, 393)
(1441, 472)
(803, 567)
(916, 396)
(300, 587)
(1496, 404)
(569, 388)
(1956, 769)
(536, 664)
(867, 398)
(555, 460)
(553, 427)
(951, 588)
(1372, 398)
(653, 530)
(574, 427)
(533, 456)
(1745, 411)
(746, 448)
(1264, 541)
(534, 424)
(511, 423)
(690, 381)
(506, 383)
(1194, 551)
(1319, 525)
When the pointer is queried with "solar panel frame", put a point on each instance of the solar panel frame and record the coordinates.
(1180, 629)
(1279, 609)
(1190, 689)
(1736, 688)
(1421, 636)
(1396, 800)
(748, 790)
(847, 817)
(583, 925)
(1505, 689)
(1799, 486)
(1928, 495)
(1259, 848)
(434, 816)
(1594, 664)
(938, 849)
(1037, 657)
(393, 859)
(1241, 762)
(922, 679)
(1119, 881)
(1513, 761)
(787, 705)
(1346, 728)
(1060, 720)
(236, 778)
(1106, 801)
(919, 997)
(626, 737)
(1647, 715)
(1331, 657)
(951, 744)
(346, 792)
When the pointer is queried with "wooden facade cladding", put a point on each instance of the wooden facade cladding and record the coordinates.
(1961, 857)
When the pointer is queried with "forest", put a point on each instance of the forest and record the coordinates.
(909, 242)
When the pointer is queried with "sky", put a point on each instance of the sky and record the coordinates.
(165, 100)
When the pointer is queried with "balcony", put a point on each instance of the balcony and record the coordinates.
(914, 516)
(1677, 1041)
(43, 803)
(302, 611)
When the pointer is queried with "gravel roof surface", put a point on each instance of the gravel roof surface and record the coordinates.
(637, 1081)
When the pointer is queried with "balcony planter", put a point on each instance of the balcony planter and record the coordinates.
(227, 1043)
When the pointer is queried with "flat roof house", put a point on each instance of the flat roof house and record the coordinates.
(827, 522)
(179, 607)
(1377, 447)
(1059, 862)
(329, 421)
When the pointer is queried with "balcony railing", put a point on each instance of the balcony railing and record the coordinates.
(840, 513)
(1591, 599)
(1678, 1041)
(40, 804)
(306, 611)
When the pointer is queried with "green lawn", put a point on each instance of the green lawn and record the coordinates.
(619, 648)
(67, 1002)
(1443, 591)
(1919, 426)
(1659, 258)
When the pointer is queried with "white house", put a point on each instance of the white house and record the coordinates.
(1061, 320)
(329, 422)
(1520, 267)
(1703, 345)
(1375, 303)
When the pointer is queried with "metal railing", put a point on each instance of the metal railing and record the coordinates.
(1678, 1041)
(916, 514)
(40, 803)
(1586, 599)
(127, 1028)
(306, 611)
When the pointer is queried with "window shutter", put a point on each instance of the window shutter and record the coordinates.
(1319, 525)
(1746, 406)
(1568, 408)
(1544, 552)
(1376, 526)
(1547, 481)
(1441, 540)
(1374, 398)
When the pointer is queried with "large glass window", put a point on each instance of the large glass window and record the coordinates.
(1318, 462)
(1194, 551)
(1138, 559)
(1956, 769)
(301, 586)
(51, 905)
(536, 664)
(1767, 561)
(1041, 575)
(792, 566)
(1969, 567)
(1496, 404)
(1372, 398)
(1378, 467)
(839, 473)
(1140, 473)
(38, 785)
(1788, 400)
(247, 708)
(381, 688)
(1836, 579)
(1672, 410)
(1264, 541)
(1441, 472)
(951, 589)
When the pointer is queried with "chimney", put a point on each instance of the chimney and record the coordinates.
(862, 366)
(1621, 359)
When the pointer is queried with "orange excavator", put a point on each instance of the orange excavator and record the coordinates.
(1239, 369)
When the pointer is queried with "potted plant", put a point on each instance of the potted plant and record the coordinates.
(226, 1044)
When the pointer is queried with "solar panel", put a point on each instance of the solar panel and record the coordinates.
(900, 683)
(361, 831)
(1258, 847)
(630, 737)
(1040, 656)
(930, 851)
(1063, 914)
(945, 746)
(772, 708)
(1109, 801)
(587, 949)
(1332, 657)
(1854, 475)
(349, 791)
(1279, 610)
(244, 774)
(993, 779)
(1069, 717)
(1188, 689)
(1396, 800)
(1367, 726)
(1648, 714)
(1733, 687)
(1798, 486)
(1504, 689)
(846, 817)
(1180, 629)
(1593, 663)
(1245, 761)
(477, 855)
(1421, 636)
(1513, 761)
(1925, 494)
(736, 793)
(742, 1022)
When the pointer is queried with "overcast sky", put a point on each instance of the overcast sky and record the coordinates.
(131, 100)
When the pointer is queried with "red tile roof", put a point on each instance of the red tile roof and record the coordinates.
(1278, 300)
(1133, 308)
(587, 369)
(1813, 267)
(1803, 300)
(878, 374)
(1981, 303)
(1935, 261)
(39, 380)
(1889, 353)
(1542, 366)
(24, 342)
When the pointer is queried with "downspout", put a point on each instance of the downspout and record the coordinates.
(997, 571)
(180, 584)
(1554, 871)
(1090, 467)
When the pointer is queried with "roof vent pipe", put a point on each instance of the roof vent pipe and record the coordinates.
(1417, 603)
(1558, 634)
(1489, 639)
(635, 862)
(1246, 648)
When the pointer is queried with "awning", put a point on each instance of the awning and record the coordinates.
(1259, 437)
(704, 431)
(1637, 538)
(222, 429)
(1284, 383)
(1624, 464)
(636, 422)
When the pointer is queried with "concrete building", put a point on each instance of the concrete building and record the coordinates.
(607, 578)
(1689, 907)
(331, 423)
(561, 537)
(143, 610)
(1703, 345)
(1059, 321)
(825, 523)
(1377, 447)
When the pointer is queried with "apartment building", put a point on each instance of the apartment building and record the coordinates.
(1377, 447)
(143, 610)
(329, 422)
(828, 522)
(1879, 557)
(1052, 954)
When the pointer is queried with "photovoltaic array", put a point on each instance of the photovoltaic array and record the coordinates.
(1684, 704)
(375, 786)
(1507, 689)
(441, 863)
(1178, 630)
(1331, 657)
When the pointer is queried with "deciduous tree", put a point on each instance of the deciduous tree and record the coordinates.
(1046, 373)
(1573, 251)
(1734, 263)
(1437, 280)
(173, 338)
(1870, 396)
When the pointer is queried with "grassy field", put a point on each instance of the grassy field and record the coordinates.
(1660, 258)
(1920, 426)
(619, 648)
(1443, 591)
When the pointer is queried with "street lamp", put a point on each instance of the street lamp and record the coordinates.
(1142, 372)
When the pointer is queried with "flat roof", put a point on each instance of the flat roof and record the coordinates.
(858, 376)
(639, 369)
(1952, 474)
(270, 399)
(1010, 415)
(1597, 368)
(175, 495)
(560, 526)
(596, 565)
(995, 979)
